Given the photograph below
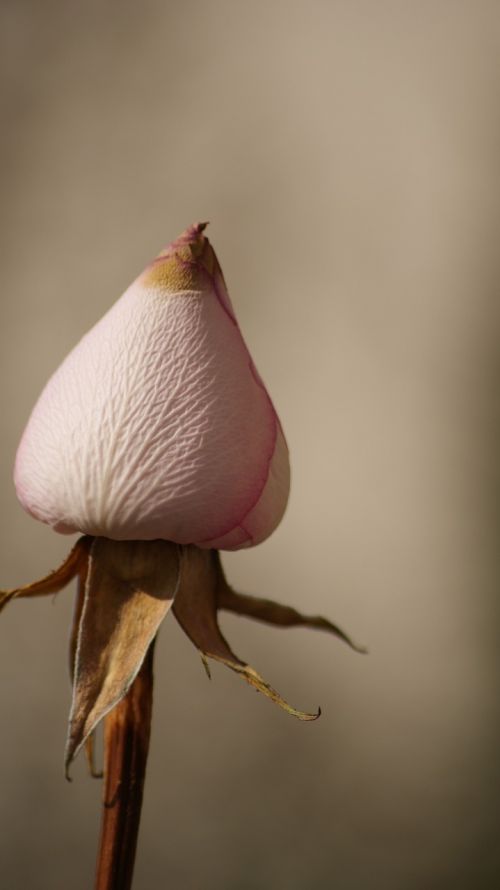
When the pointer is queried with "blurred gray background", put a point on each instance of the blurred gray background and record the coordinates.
(347, 155)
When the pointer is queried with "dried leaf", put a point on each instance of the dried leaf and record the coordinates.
(130, 588)
(275, 613)
(195, 608)
(57, 579)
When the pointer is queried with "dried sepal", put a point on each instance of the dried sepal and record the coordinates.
(195, 605)
(275, 613)
(254, 679)
(130, 588)
(77, 614)
(82, 574)
(56, 580)
(195, 608)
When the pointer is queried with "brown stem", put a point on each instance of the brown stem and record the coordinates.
(126, 742)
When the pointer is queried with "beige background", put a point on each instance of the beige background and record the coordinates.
(347, 155)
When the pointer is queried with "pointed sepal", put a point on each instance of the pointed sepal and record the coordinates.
(195, 608)
(271, 612)
(129, 590)
(74, 563)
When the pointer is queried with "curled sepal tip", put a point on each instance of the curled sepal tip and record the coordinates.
(254, 679)
(55, 581)
(195, 608)
(277, 614)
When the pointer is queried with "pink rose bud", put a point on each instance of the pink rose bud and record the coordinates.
(157, 424)
(155, 432)
(157, 439)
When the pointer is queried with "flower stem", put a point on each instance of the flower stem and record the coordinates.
(126, 743)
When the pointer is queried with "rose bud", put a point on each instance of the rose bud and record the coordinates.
(157, 440)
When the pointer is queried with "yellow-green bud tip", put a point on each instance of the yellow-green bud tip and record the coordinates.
(183, 265)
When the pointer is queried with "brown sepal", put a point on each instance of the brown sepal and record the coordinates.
(130, 588)
(77, 614)
(195, 608)
(274, 613)
(56, 580)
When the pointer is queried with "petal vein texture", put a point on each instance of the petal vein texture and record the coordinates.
(157, 424)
